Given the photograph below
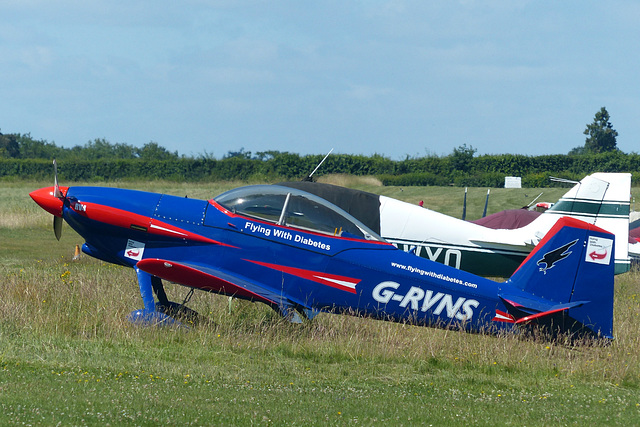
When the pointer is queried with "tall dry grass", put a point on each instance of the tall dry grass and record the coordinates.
(91, 300)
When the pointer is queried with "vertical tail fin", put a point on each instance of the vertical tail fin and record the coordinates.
(570, 271)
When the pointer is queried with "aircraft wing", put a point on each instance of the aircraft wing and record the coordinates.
(217, 281)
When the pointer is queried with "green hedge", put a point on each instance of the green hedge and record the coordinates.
(482, 171)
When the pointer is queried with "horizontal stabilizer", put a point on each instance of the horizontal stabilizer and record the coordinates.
(535, 306)
(539, 316)
(522, 310)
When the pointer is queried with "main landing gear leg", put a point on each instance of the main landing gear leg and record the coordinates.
(150, 315)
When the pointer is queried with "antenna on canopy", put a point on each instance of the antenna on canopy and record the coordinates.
(308, 178)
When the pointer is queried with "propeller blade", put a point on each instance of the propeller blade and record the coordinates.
(56, 189)
(57, 226)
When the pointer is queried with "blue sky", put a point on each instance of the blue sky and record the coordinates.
(395, 78)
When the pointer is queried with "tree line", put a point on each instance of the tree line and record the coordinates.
(19, 146)
(481, 171)
(22, 157)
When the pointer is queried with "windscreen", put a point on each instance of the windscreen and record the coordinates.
(299, 209)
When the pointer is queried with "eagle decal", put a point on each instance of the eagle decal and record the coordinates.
(552, 257)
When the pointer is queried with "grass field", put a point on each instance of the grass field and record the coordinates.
(68, 355)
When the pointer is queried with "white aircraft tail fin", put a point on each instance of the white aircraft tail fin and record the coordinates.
(601, 199)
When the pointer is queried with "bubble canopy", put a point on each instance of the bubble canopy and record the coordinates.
(293, 208)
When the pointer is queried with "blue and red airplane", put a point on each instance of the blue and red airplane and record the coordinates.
(302, 255)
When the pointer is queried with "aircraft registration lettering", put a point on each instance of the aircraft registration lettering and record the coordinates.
(462, 309)
(450, 257)
(430, 254)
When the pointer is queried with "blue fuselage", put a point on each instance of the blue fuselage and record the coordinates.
(314, 270)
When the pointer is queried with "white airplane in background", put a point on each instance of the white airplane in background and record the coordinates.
(601, 199)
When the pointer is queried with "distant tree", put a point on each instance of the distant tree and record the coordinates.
(577, 151)
(100, 148)
(121, 150)
(462, 156)
(9, 146)
(266, 155)
(38, 149)
(240, 153)
(205, 155)
(601, 136)
(153, 151)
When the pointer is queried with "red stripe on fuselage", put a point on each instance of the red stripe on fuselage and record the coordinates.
(344, 283)
(501, 316)
(125, 219)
